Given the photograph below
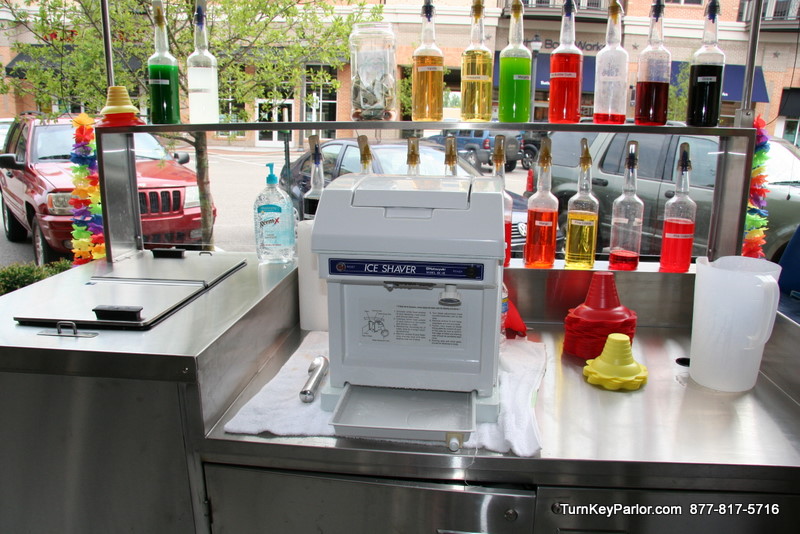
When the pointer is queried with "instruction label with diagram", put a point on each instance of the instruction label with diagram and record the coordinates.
(409, 323)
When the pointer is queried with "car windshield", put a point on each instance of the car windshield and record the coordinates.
(55, 142)
(783, 165)
(431, 160)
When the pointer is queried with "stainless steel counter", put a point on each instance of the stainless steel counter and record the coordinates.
(154, 404)
(671, 434)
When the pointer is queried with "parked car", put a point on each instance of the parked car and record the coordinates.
(476, 146)
(36, 186)
(530, 141)
(657, 174)
(341, 156)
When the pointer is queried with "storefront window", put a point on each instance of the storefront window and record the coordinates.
(321, 98)
(790, 131)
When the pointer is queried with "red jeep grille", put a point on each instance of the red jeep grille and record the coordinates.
(159, 201)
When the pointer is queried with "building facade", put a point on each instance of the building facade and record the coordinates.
(775, 94)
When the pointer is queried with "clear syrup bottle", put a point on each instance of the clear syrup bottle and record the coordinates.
(677, 238)
(566, 71)
(201, 72)
(540, 243)
(627, 214)
(653, 77)
(582, 210)
(611, 72)
(427, 72)
(312, 197)
(514, 100)
(499, 163)
(162, 72)
(705, 74)
(477, 65)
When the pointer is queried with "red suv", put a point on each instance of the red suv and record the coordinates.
(36, 186)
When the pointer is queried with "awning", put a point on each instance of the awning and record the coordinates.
(733, 82)
(543, 72)
(17, 67)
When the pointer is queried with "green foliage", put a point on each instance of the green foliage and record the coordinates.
(262, 47)
(679, 95)
(19, 275)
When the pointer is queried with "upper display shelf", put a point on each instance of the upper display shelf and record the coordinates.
(444, 125)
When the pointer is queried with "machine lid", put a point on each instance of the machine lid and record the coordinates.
(135, 293)
(431, 192)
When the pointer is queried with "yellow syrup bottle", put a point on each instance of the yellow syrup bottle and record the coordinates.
(582, 211)
(476, 72)
(427, 72)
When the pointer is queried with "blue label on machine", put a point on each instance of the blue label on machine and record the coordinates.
(406, 269)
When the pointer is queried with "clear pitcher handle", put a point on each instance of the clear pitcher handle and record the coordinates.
(770, 306)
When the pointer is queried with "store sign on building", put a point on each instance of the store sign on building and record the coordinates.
(585, 46)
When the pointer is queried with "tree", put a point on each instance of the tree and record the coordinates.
(679, 94)
(263, 49)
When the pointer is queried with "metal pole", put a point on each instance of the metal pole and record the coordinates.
(744, 115)
(107, 42)
(534, 58)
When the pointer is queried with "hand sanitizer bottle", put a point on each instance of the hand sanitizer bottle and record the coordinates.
(273, 214)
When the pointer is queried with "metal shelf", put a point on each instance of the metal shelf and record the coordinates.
(440, 125)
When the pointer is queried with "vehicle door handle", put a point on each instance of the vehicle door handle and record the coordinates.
(669, 194)
(600, 181)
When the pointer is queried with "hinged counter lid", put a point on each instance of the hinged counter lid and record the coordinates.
(134, 293)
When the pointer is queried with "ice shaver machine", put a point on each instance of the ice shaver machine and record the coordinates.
(414, 271)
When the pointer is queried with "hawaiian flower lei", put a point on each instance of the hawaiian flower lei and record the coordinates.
(88, 242)
(755, 223)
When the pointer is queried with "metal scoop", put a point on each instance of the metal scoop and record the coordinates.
(316, 372)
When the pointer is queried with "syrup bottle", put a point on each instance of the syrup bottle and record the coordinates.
(312, 196)
(201, 74)
(499, 161)
(705, 74)
(655, 64)
(515, 73)
(476, 72)
(162, 71)
(566, 69)
(582, 211)
(627, 213)
(450, 156)
(412, 156)
(427, 72)
(611, 72)
(366, 154)
(677, 238)
(540, 244)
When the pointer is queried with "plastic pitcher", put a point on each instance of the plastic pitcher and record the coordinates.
(735, 303)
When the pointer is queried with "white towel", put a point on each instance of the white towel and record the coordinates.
(277, 408)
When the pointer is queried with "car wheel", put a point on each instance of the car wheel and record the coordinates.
(511, 165)
(529, 156)
(14, 230)
(43, 253)
(472, 159)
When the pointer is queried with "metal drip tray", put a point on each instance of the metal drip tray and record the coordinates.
(135, 293)
(415, 414)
